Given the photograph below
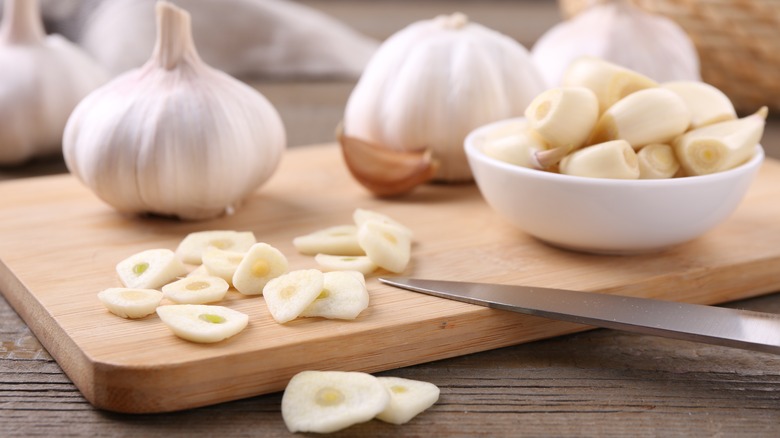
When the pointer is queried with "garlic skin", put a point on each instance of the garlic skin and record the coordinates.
(174, 137)
(621, 33)
(42, 78)
(433, 82)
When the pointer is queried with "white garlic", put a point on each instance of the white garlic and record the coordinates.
(621, 33)
(42, 78)
(240, 37)
(433, 82)
(175, 137)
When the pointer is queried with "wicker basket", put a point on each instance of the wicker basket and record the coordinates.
(738, 43)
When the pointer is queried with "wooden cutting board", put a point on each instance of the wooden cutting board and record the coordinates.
(59, 245)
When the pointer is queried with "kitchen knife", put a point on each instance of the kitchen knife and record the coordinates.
(691, 322)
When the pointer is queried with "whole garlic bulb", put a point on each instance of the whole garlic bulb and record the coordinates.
(623, 34)
(433, 82)
(174, 137)
(42, 78)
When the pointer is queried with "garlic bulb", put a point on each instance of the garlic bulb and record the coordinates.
(433, 82)
(42, 78)
(621, 33)
(240, 37)
(175, 137)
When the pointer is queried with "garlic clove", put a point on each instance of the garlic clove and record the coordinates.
(610, 82)
(657, 161)
(613, 159)
(706, 103)
(564, 117)
(654, 115)
(385, 172)
(720, 146)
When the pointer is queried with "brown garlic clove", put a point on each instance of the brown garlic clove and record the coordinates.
(386, 172)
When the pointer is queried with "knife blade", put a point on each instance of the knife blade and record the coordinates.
(743, 329)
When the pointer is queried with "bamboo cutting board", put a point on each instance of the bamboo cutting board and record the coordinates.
(59, 245)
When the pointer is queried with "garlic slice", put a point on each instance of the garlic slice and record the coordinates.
(330, 262)
(260, 264)
(407, 399)
(720, 146)
(202, 323)
(613, 159)
(706, 103)
(130, 302)
(657, 161)
(174, 137)
(361, 215)
(610, 82)
(343, 296)
(150, 269)
(221, 263)
(564, 117)
(328, 401)
(337, 240)
(190, 249)
(386, 245)
(196, 290)
(288, 295)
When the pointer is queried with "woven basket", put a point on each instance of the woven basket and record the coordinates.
(738, 43)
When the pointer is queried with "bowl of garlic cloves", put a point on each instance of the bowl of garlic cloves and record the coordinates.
(613, 162)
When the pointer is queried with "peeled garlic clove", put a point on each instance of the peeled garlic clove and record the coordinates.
(386, 172)
(706, 103)
(129, 302)
(191, 248)
(174, 137)
(288, 295)
(388, 246)
(196, 290)
(564, 117)
(610, 82)
(42, 78)
(150, 269)
(432, 83)
(407, 399)
(657, 161)
(361, 215)
(720, 146)
(330, 262)
(202, 323)
(221, 263)
(260, 264)
(622, 33)
(655, 115)
(338, 240)
(343, 296)
(614, 159)
(328, 401)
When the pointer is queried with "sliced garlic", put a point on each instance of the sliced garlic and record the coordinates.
(657, 161)
(260, 264)
(407, 399)
(338, 240)
(564, 117)
(150, 269)
(360, 215)
(191, 248)
(199, 271)
(202, 323)
(130, 303)
(706, 103)
(343, 296)
(288, 295)
(655, 115)
(196, 290)
(609, 81)
(720, 146)
(330, 262)
(221, 263)
(328, 401)
(614, 159)
(386, 245)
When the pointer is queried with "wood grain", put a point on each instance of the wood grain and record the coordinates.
(59, 245)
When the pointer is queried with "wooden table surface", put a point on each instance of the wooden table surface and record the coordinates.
(596, 383)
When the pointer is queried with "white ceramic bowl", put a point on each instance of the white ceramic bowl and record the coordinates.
(606, 215)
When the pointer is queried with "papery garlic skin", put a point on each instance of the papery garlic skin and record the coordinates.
(42, 78)
(175, 137)
(619, 32)
(433, 82)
